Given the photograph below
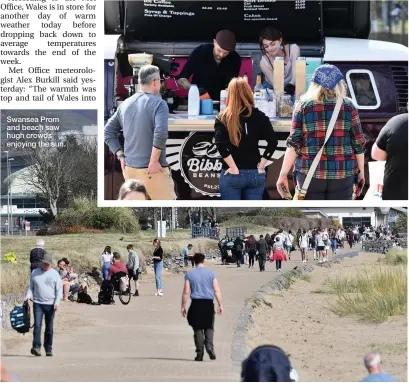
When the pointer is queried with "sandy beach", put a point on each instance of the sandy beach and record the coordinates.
(323, 346)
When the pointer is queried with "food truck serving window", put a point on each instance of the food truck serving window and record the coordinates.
(362, 86)
(164, 20)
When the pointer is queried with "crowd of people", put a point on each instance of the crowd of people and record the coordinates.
(324, 168)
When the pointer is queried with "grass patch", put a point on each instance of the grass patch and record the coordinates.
(306, 277)
(391, 348)
(373, 295)
(395, 257)
(83, 250)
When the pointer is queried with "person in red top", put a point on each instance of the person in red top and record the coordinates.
(117, 266)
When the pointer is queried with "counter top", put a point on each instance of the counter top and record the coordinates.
(181, 121)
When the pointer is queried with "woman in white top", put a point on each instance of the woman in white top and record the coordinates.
(304, 246)
(320, 246)
(106, 261)
(273, 45)
(289, 239)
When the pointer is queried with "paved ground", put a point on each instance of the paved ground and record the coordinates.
(147, 340)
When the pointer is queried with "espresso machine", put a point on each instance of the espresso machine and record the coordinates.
(137, 61)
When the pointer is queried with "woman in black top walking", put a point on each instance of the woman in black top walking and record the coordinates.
(238, 130)
(158, 266)
(251, 246)
(238, 250)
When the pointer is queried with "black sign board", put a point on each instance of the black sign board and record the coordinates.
(165, 20)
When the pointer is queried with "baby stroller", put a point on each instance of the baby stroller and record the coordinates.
(227, 253)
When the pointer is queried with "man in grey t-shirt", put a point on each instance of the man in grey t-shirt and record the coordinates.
(143, 118)
(202, 287)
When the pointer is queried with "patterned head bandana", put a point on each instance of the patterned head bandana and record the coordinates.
(328, 76)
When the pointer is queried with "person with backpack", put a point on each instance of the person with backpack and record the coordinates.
(262, 253)
(320, 246)
(238, 250)
(133, 267)
(303, 244)
(325, 238)
(289, 239)
(45, 289)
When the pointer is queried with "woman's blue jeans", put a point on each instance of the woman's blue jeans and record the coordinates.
(249, 184)
(158, 267)
(334, 245)
(105, 269)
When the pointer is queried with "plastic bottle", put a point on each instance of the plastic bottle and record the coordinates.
(193, 107)
(223, 97)
(259, 95)
(259, 86)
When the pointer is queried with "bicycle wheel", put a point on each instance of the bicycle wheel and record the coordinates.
(125, 296)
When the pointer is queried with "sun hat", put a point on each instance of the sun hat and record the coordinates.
(327, 75)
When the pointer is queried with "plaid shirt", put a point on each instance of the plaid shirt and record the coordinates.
(307, 136)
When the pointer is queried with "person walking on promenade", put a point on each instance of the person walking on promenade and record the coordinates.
(238, 130)
(350, 238)
(133, 267)
(251, 245)
(319, 241)
(372, 363)
(158, 266)
(289, 239)
(106, 261)
(45, 289)
(262, 252)
(143, 157)
(303, 244)
(238, 250)
(278, 254)
(340, 153)
(36, 255)
(270, 244)
(202, 287)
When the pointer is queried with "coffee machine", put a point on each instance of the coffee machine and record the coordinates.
(137, 61)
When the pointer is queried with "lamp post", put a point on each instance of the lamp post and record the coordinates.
(10, 198)
(8, 187)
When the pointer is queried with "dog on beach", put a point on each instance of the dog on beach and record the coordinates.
(84, 297)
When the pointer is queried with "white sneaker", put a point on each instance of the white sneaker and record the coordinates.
(160, 294)
(156, 294)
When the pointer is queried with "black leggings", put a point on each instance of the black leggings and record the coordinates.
(278, 264)
(252, 254)
(322, 189)
(238, 255)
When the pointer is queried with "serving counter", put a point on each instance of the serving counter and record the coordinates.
(195, 161)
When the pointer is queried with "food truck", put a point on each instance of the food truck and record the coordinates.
(334, 32)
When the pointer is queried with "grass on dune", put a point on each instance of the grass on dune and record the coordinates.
(373, 295)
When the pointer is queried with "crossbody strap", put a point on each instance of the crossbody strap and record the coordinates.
(317, 158)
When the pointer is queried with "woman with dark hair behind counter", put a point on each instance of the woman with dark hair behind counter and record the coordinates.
(273, 45)
(238, 130)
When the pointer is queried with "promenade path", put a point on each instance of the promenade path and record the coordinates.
(147, 340)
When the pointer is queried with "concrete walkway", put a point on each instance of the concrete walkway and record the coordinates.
(147, 340)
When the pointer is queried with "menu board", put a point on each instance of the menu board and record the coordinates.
(165, 20)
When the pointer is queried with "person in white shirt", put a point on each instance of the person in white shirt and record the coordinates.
(289, 243)
(303, 243)
(106, 261)
(320, 246)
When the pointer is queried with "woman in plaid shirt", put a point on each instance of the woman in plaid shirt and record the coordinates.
(342, 160)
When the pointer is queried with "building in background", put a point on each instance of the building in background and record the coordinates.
(351, 216)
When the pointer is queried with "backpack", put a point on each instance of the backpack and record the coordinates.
(124, 283)
(239, 247)
(106, 293)
(20, 318)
